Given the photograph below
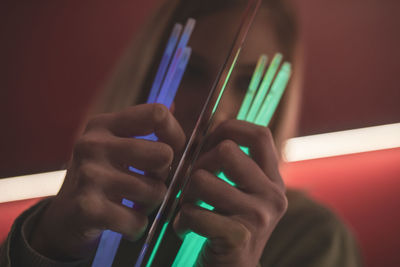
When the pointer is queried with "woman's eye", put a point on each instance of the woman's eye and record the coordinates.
(242, 82)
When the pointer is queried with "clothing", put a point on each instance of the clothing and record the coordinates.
(308, 235)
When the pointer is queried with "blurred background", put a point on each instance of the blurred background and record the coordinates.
(56, 55)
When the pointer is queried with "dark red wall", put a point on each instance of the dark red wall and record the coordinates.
(55, 55)
(352, 64)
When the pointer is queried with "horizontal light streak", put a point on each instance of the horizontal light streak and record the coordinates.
(296, 149)
(31, 186)
(342, 143)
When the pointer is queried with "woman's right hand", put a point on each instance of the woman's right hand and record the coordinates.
(98, 179)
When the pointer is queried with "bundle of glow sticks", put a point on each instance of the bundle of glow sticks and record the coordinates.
(168, 78)
(258, 106)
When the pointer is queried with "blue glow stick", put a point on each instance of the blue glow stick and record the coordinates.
(181, 67)
(178, 54)
(109, 241)
(108, 245)
(176, 81)
(169, 50)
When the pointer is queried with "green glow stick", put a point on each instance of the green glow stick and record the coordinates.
(251, 90)
(264, 87)
(158, 242)
(274, 96)
(192, 243)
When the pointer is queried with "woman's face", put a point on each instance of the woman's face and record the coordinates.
(210, 42)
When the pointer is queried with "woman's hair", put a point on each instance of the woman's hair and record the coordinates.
(137, 67)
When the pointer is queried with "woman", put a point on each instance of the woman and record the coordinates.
(251, 225)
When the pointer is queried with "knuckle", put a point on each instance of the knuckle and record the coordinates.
(86, 172)
(187, 214)
(87, 145)
(90, 176)
(240, 238)
(277, 199)
(226, 147)
(272, 207)
(90, 205)
(281, 203)
(263, 136)
(197, 178)
(97, 121)
(159, 112)
(165, 155)
(197, 183)
(261, 217)
(226, 125)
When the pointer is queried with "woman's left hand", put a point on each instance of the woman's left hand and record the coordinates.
(244, 216)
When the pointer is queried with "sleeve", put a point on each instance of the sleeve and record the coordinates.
(310, 235)
(16, 251)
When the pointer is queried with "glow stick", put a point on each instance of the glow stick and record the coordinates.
(264, 87)
(272, 100)
(176, 80)
(251, 90)
(190, 249)
(169, 204)
(166, 58)
(177, 57)
(109, 240)
(193, 243)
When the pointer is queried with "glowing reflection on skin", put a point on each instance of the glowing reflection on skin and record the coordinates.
(264, 107)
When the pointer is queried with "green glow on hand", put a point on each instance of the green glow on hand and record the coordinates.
(193, 243)
(251, 90)
(153, 253)
(190, 250)
(264, 87)
(274, 96)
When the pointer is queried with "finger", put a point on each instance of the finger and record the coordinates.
(147, 193)
(258, 139)
(241, 169)
(149, 156)
(103, 214)
(145, 119)
(144, 191)
(206, 187)
(224, 231)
